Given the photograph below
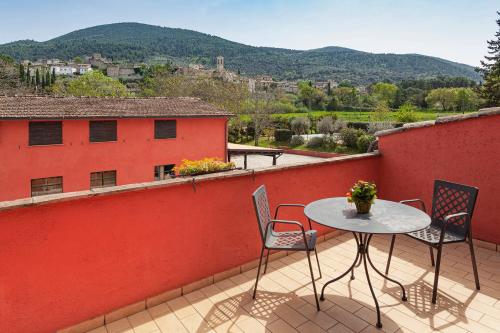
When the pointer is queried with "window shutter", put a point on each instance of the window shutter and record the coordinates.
(102, 179)
(165, 129)
(42, 186)
(102, 131)
(45, 133)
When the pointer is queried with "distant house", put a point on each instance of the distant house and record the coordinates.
(63, 144)
(67, 70)
(83, 68)
(98, 61)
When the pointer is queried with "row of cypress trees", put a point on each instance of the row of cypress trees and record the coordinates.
(41, 79)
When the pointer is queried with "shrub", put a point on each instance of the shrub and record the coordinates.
(206, 165)
(300, 125)
(350, 137)
(329, 142)
(341, 149)
(364, 142)
(325, 125)
(358, 125)
(338, 125)
(296, 141)
(406, 113)
(282, 135)
(379, 126)
(315, 142)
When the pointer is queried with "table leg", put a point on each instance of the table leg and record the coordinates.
(383, 275)
(350, 270)
(363, 256)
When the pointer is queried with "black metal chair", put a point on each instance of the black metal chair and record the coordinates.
(282, 240)
(451, 219)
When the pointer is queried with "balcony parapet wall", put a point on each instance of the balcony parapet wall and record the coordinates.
(441, 120)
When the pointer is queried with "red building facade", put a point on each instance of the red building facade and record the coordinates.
(52, 145)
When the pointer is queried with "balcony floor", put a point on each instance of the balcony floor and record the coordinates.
(285, 301)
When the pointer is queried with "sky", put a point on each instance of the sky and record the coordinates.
(451, 29)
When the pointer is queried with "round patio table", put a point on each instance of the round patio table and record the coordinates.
(385, 217)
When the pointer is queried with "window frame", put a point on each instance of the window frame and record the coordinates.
(46, 185)
(156, 129)
(114, 135)
(32, 124)
(101, 177)
(160, 171)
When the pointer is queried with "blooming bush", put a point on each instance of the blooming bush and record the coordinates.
(362, 191)
(206, 165)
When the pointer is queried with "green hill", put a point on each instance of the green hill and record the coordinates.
(144, 43)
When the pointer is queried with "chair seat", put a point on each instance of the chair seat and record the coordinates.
(290, 240)
(432, 234)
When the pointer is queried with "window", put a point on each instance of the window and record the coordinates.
(102, 179)
(164, 171)
(45, 133)
(165, 129)
(102, 131)
(42, 186)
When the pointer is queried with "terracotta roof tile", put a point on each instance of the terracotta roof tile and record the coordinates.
(33, 107)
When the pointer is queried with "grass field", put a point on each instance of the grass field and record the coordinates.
(358, 116)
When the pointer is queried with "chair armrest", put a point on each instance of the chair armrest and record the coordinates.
(452, 216)
(447, 219)
(291, 205)
(415, 200)
(292, 223)
(286, 205)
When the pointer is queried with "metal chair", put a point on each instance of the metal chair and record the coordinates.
(451, 217)
(282, 240)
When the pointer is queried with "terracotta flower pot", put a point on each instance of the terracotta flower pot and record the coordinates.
(363, 207)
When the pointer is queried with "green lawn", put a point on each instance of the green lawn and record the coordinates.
(358, 116)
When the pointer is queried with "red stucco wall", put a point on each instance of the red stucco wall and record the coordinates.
(466, 152)
(134, 155)
(66, 262)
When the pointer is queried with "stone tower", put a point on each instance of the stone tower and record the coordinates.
(220, 63)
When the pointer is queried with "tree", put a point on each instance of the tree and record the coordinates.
(93, 83)
(9, 75)
(311, 97)
(37, 77)
(325, 125)
(53, 77)
(466, 99)
(385, 92)
(300, 125)
(21, 72)
(258, 106)
(48, 79)
(381, 113)
(443, 98)
(78, 60)
(490, 70)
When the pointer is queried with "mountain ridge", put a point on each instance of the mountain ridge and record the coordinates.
(138, 42)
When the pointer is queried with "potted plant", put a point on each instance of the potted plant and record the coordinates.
(204, 166)
(363, 194)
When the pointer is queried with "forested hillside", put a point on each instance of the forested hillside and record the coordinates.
(144, 43)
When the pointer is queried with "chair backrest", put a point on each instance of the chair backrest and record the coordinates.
(451, 198)
(261, 210)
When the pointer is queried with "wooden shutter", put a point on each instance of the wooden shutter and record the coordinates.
(45, 133)
(165, 129)
(102, 131)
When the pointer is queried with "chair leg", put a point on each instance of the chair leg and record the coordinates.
(317, 260)
(432, 256)
(474, 265)
(390, 255)
(258, 272)
(267, 260)
(436, 274)
(312, 279)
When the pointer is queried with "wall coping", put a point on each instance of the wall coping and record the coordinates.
(440, 120)
(60, 197)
